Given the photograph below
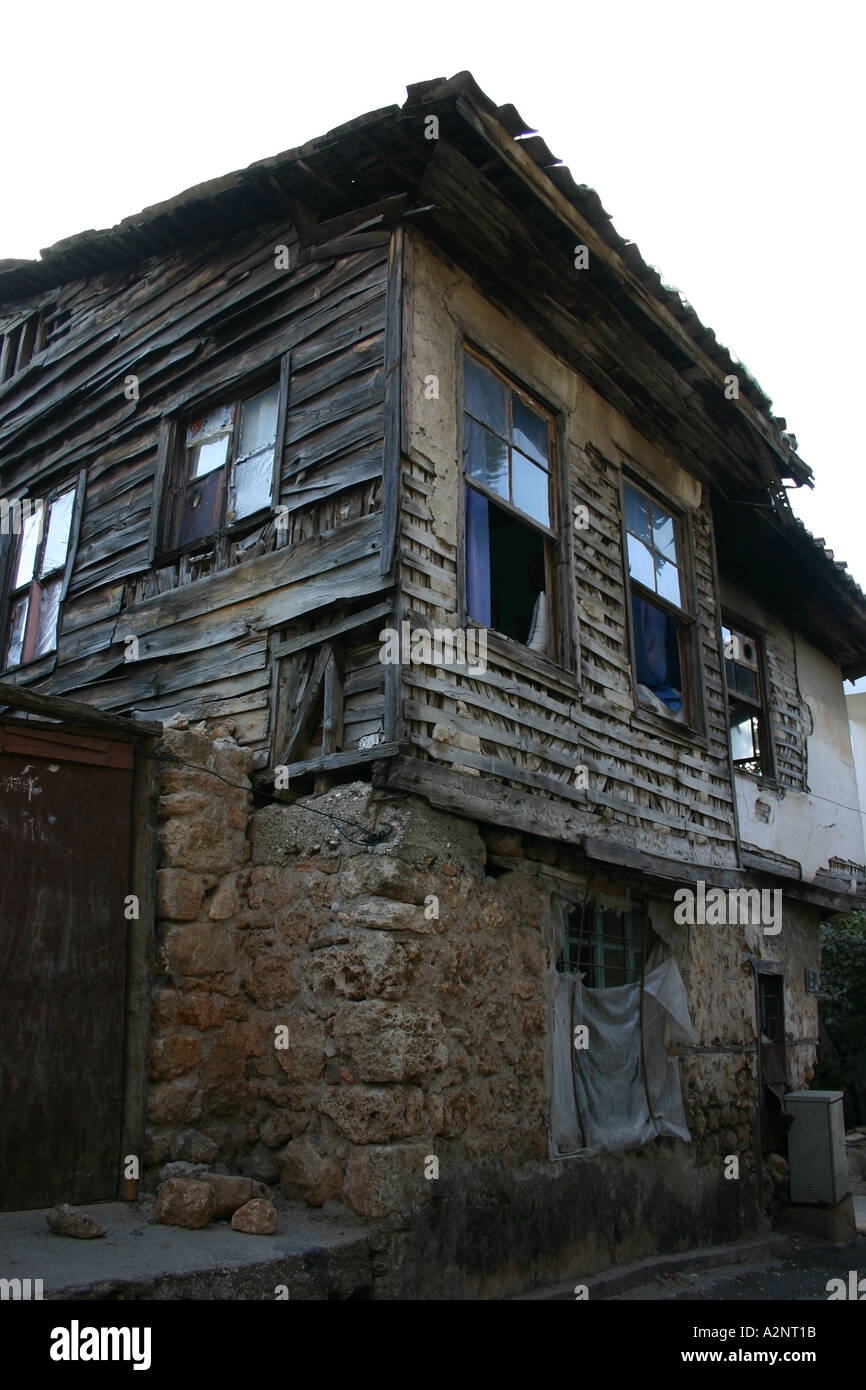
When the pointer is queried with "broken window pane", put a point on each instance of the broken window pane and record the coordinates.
(517, 580)
(219, 421)
(487, 458)
(17, 628)
(750, 742)
(637, 514)
(530, 488)
(251, 485)
(664, 532)
(31, 533)
(485, 395)
(667, 581)
(531, 433)
(49, 607)
(259, 422)
(640, 563)
(57, 540)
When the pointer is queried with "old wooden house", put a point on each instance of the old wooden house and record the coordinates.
(423, 749)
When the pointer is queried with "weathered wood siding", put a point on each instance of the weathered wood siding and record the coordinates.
(789, 716)
(526, 722)
(183, 324)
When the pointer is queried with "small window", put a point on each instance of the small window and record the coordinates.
(39, 574)
(510, 537)
(224, 468)
(19, 343)
(607, 947)
(661, 625)
(747, 713)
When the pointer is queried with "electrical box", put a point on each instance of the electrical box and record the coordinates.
(816, 1146)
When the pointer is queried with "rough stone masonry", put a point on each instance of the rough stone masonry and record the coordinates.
(333, 1015)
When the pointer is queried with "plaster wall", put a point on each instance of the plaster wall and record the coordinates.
(823, 820)
(856, 707)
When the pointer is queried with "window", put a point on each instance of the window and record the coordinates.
(40, 566)
(222, 466)
(618, 1000)
(747, 718)
(607, 947)
(19, 343)
(510, 537)
(662, 629)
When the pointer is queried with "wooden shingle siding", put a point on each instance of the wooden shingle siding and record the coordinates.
(184, 325)
(789, 717)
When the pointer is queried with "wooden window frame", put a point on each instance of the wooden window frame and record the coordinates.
(20, 342)
(732, 620)
(558, 632)
(32, 590)
(692, 727)
(172, 482)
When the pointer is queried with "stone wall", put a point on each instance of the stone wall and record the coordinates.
(350, 1002)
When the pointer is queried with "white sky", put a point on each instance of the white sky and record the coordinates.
(727, 141)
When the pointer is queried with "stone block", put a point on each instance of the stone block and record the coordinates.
(174, 1008)
(381, 875)
(304, 1058)
(174, 1102)
(202, 844)
(66, 1221)
(225, 901)
(307, 1174)
(384, 915)
(178, 895)
(184, 1202)
(191, 1146)
(172, 1054)
(271, 981)
(390, 1042)
(277, 1129)
(261, 1165)
(374, 1114)
(369, 963)
(256, 1218)
(228, 1193)
(199, 950)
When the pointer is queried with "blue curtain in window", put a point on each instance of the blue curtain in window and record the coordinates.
(656, 653)
(478, 558)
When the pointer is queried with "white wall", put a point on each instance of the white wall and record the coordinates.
(856, 705)
(826, 821)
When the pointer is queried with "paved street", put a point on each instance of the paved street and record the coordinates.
(800, 1275)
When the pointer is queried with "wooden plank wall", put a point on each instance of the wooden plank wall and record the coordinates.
(789, 716)
(182, 324)
(529, 724)
(531, 727)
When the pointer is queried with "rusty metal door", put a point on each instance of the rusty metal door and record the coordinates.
(64, 875)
